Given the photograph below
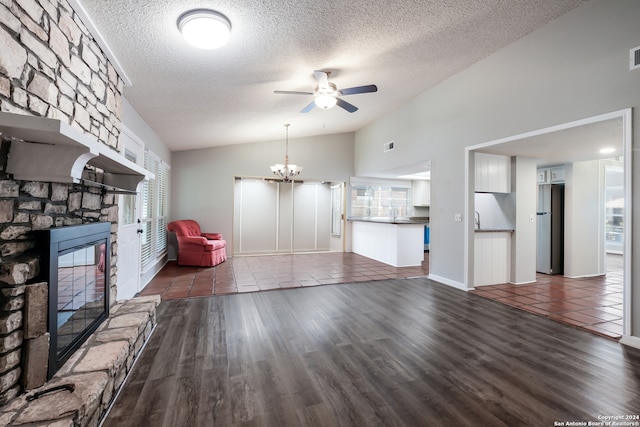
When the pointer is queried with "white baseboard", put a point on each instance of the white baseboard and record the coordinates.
(522, 283)
(585, 276)
(630, 340)
(448, 282)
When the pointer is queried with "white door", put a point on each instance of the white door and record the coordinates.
(129, 226)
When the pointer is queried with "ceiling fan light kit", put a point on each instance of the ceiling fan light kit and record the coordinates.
(205, 28)
(325, 101)
(326, 94)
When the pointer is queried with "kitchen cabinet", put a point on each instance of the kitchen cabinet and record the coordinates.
(492, 257)
(421, 193)
(492, 173)
(556, 174)
(396, 244)
(553, 175)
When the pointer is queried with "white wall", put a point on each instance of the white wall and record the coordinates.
(202, 181)
(584, 253)
(132, 120)
(573, 68)
(523, 248)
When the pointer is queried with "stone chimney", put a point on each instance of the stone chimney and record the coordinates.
(50, 66)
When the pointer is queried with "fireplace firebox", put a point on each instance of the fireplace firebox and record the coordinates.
(75, 263)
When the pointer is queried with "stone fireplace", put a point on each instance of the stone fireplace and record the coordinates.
(50, 67)
(75, 264)
(29, 207)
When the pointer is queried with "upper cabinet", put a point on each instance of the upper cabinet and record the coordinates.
(553, 175)
(421, 193)
(556, 174)
(493, 173)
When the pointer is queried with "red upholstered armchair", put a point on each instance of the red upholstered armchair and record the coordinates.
(196, 248)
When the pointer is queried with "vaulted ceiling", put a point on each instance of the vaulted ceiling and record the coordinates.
(196, 98)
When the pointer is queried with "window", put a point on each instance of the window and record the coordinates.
(154, 210)
(161, 209)
(378, 201)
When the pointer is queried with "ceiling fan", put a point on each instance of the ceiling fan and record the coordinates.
(326, 93)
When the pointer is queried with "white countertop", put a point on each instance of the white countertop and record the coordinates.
(399, 221)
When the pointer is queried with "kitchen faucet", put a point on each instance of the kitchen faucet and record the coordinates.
(476, 219)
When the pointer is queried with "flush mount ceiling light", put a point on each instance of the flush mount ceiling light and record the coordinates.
(205, 28)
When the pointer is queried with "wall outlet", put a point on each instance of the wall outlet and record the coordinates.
(457, 217)
(531, 218)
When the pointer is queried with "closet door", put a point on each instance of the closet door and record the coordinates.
(323, 230)
(305, 210)
(312, 217)
(257, 219)
(278, 217)
(285, 217)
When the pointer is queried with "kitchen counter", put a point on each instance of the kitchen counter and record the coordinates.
(399, 243)
(493, 230)
(399, 221)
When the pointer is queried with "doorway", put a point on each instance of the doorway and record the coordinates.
(569, 144)
(128, 224)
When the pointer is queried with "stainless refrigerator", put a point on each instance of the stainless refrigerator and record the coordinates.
(550, 239)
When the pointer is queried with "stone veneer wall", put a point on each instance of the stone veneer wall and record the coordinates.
(50, 66)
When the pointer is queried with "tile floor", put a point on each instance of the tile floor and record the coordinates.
(593, 304)
(261, 273)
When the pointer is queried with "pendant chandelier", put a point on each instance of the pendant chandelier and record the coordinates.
(286, 171)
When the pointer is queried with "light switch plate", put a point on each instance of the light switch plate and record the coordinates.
(457, 217)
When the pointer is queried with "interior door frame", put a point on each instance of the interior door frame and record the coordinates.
(139, 152)
(627, 126)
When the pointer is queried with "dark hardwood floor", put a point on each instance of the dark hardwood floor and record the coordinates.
(401, 352)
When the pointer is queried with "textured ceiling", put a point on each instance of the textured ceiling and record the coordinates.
(197, 98)
(575, 144)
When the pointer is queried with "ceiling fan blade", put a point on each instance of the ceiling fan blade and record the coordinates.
(322, 78)
(308, 107)
(344, 104)
(359, 89)
(291, 92)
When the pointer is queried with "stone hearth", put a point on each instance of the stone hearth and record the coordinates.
(82, 390)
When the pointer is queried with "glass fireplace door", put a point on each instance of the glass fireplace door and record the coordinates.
(75, 262)
(81, 291)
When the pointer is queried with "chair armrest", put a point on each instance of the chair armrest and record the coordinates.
(198, 240)
(212, 236)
